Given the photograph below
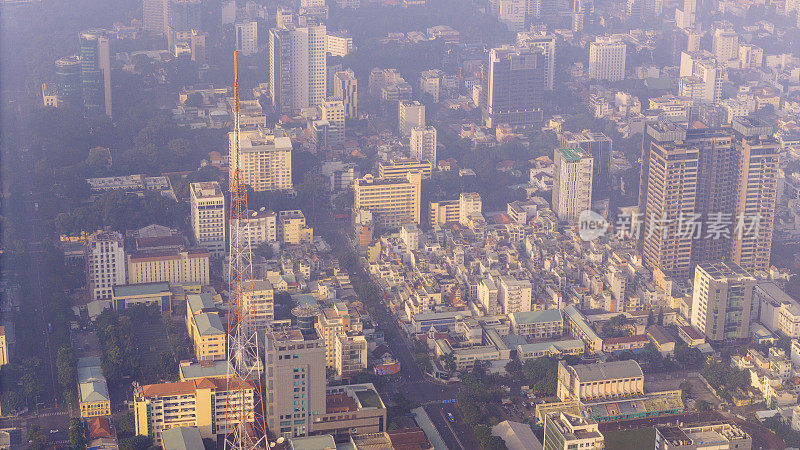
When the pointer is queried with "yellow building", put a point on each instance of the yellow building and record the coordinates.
(205, 328)
(600, 381)
(392, 201)
(292, 228)
(188, 266)
(265, 159)
(92, 388)
(333, 321)
(260, 304)
(350, 354)
(200, 403)
(3, 347)
(399, 168)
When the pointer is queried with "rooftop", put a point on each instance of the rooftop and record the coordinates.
(208, 324)
(144, 289)
(542, 316)
(182, 438)
(607, 370)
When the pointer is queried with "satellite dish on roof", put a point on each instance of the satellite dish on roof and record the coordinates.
(272, 444)
(280, 440)
(263, 208)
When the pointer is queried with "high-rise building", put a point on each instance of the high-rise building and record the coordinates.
(332, 111)
(333, 321)
(292, 228)
(686, 17)
(104, 253)
(725, 44)
(430, 82)
(565, 431)
(547, 43)
(183, 16)
(704, 75)
(423, 144)
(392, 201)
(185, 266)
(721, 301)
(399, 168)
(350, 354)
(599, 146)
(410, 114)
(757, 193)
(514, 295)
(201, 403)
(208, 212)
(515, 88)
(247, 37)
(155, 16)
(455, 211)
(265, 157)
(511, 13)
(68, 81)
(607, 59)
(295, 381)
(572, 183)
(260, 302)
(339, 43)
(3, 347)
(345, 88)
(260, 227)
(750, 56)
(297, 69)
(95, 59)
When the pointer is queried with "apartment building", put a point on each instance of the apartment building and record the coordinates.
(401, 167)
(607, 59)
(265, 159)
(207, 209)
(392, 201)
(514, 295)
(599, 146)
(410, 115)
(292, 228)
(350, 355)
(600, 381)
(205, 328)
(246, 33)
(757, 194)
(572, 183)
(260, 227)
(203, 403)
(297, 68)
(338, 44)
(295, 381)
(722, 298)
(189, 266)
(260, 305)
(423, 144)
(333, 321)
(725, 44)
(104, 253)
(515, 86)
(455, 211)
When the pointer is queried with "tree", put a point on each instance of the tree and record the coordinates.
(31, 379)
(36, 437)
(449, 361)
(136, 443)
(66, 364)
(77, 434)
(11, 401)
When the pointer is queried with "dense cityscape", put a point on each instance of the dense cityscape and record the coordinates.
(400, 224)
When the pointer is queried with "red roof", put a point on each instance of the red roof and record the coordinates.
(99, 427)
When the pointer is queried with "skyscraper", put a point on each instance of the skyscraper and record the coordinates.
(547, 43)
(721, 301)
(68, 80)
(155, 16)
(265, 157)
(758, 166)
(599, 146)
(247, 37)
(572, 183)
(95, 72)
(410, 114)
(607, 59)
(295, 381)
(345, 87)
(423, 144)
(208, 216)
(515, 87)
(104, 253)
(726, 44)
(297, 71)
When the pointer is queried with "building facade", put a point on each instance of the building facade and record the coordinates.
(721, 301)
(572, 183)
(207, 209)
(265, 159)
(607, 59)
(423, 144)
(515, 87)
(104, 254)
(392, 201)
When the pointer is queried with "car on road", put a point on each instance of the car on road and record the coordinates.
(450, 417)
(53, 431)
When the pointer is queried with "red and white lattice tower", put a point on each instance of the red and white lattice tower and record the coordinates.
(244, 427)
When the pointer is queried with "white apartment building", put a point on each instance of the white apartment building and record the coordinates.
(333, 112)
(339, 44)
(750, 56)
(702, 66)
(721, 301)
(410, 114)
(607, 59)
(292, 227)
(297, 70)
(487, 294)
(104, 253)
(260, 304)
(247, 37)
(468, 204)
(725, 44)
(430, 82)
(345, 87)
(208, 212)
(266, 159)
(514, 295)
(260, 227)
(423, 144)
(572, 183)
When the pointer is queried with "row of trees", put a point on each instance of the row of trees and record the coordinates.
(478, 407)
(725, 379)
